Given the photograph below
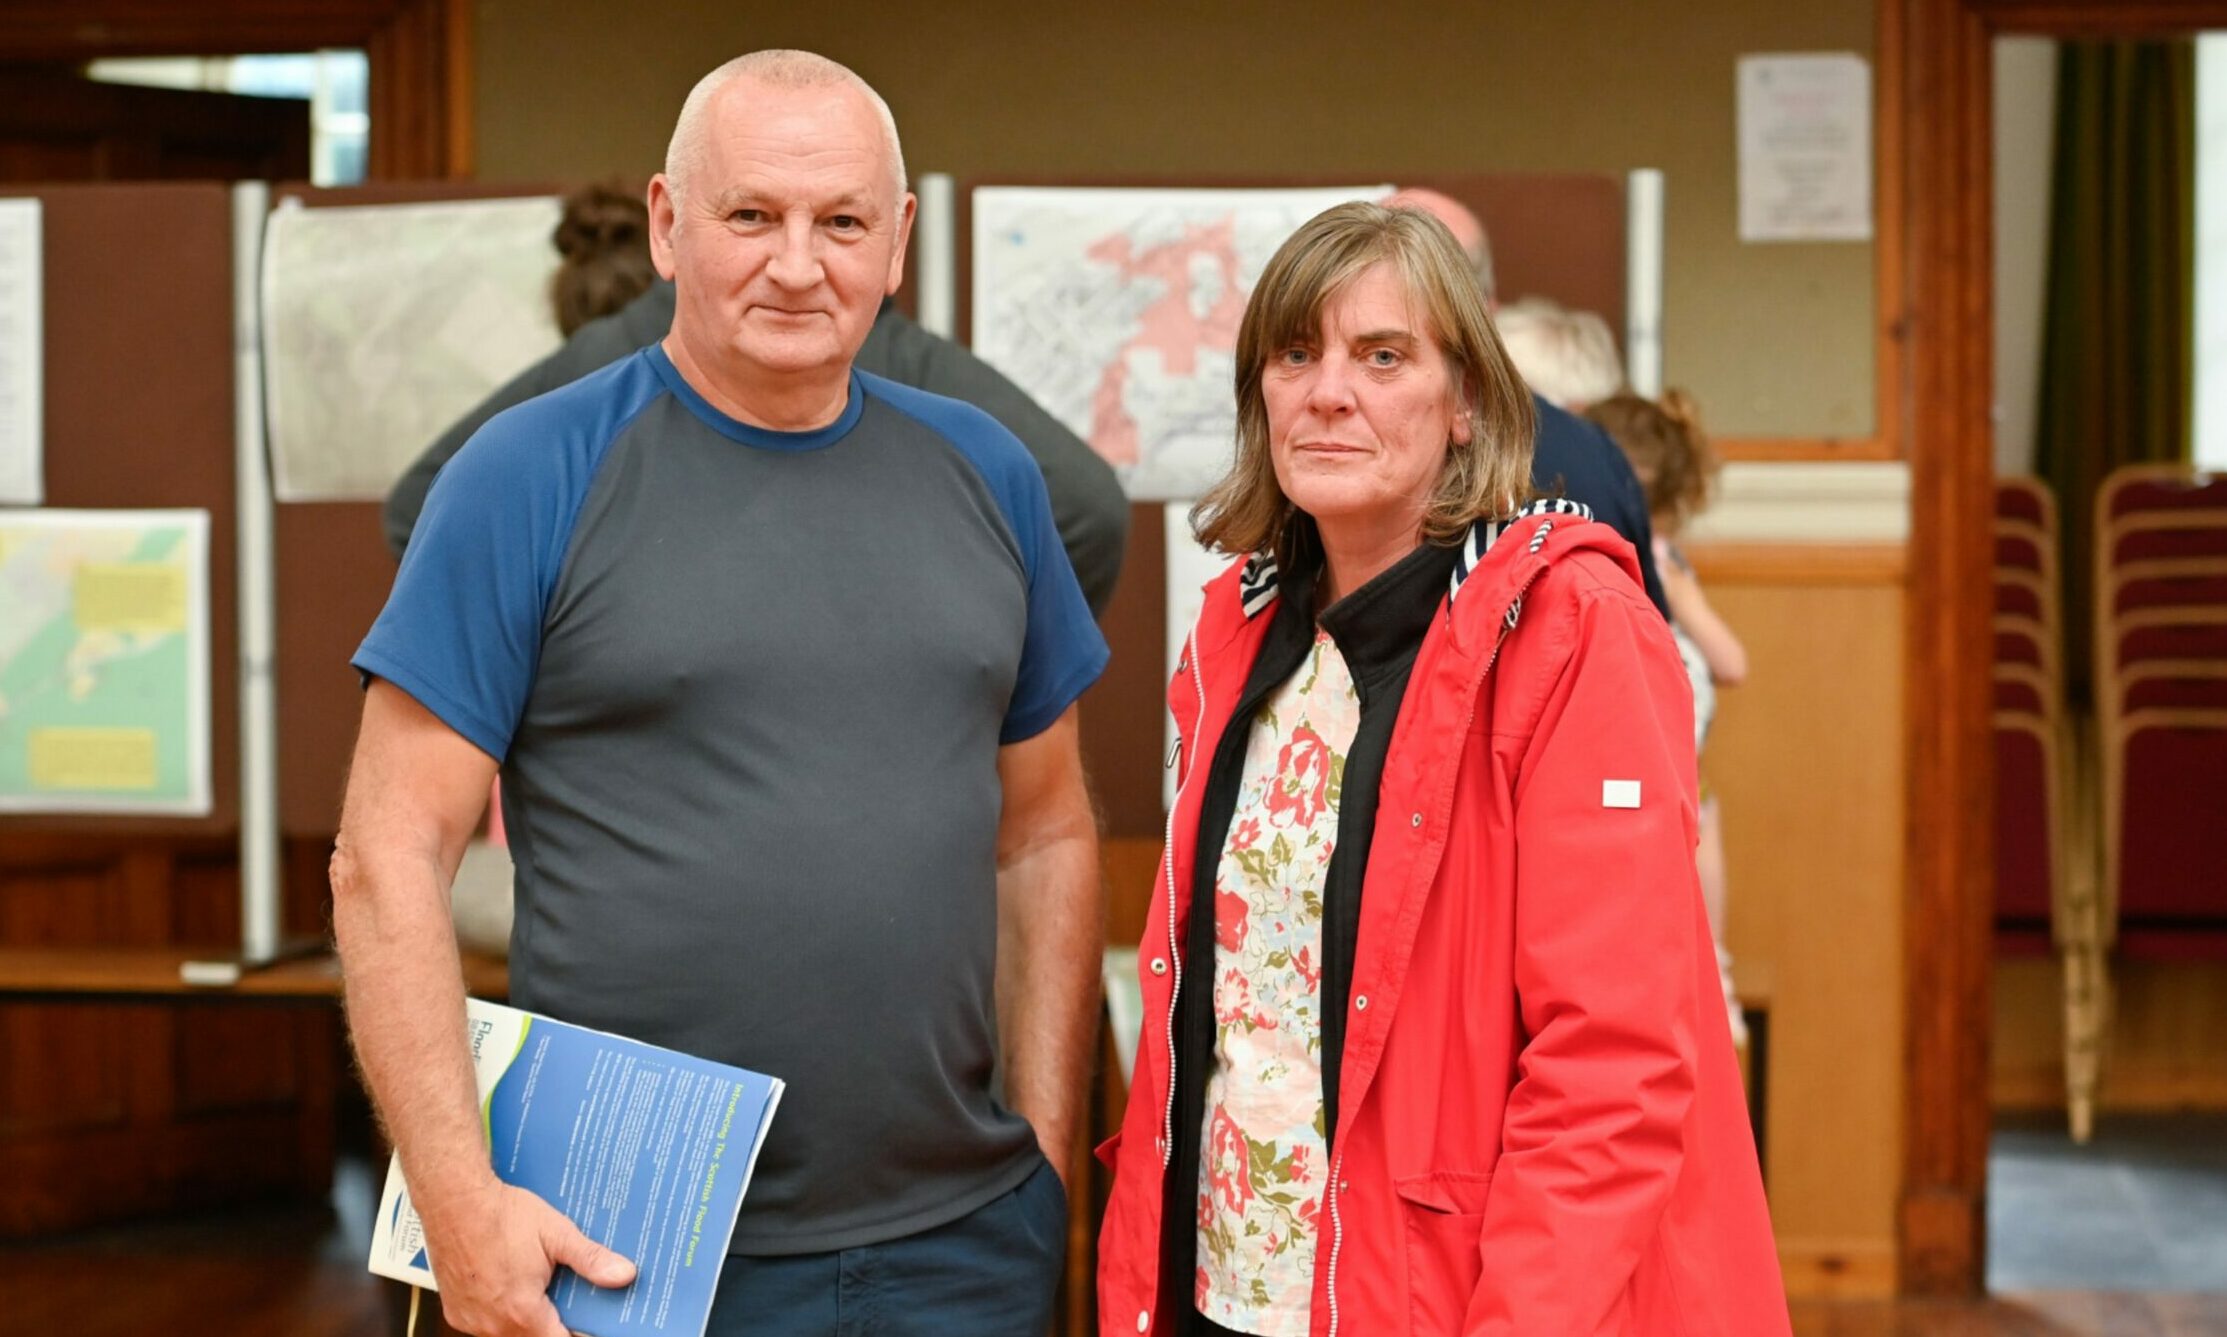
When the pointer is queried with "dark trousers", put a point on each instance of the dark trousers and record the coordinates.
(992, 1273)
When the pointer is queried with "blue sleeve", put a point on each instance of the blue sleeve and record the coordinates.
(1064, 652)
(461, 631)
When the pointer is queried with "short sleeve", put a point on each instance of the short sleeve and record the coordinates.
(461, 630)
(1064, 651)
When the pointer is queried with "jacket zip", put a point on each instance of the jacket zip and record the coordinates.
(1167, 868)
(1337, 1162)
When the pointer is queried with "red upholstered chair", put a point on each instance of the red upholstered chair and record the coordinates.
(2021, 546)
(2023, 497)
(2024, 689)
(2028, 810)
(2150, 488)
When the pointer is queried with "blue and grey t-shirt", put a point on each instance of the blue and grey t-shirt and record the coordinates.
(748, 690)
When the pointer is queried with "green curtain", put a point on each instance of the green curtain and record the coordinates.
(2117, 345)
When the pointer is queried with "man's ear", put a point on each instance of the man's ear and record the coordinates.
(664, 218)
(907, 209)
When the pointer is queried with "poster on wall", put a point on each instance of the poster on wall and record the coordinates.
(1117, 310)
(384, 324)
(1805, 147)
(22, 355)
(104, 661)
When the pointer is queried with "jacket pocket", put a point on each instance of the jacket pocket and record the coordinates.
(1445, 1217)
(1109, 1152)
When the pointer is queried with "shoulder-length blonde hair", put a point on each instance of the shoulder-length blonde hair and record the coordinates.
(1489, 475)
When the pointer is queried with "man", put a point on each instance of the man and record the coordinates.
(779, 661)
(1570, 457)
(1088, 504)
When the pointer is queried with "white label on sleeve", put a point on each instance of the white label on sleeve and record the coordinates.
(1619, 793)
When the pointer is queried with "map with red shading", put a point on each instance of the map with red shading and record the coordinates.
(1117, 309)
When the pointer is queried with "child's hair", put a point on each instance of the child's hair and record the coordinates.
(1667, 448)
(604, 239)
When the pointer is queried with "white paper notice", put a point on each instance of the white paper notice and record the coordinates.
(22, 356)
(383, 324)
(1805, 148)
(1190, 567)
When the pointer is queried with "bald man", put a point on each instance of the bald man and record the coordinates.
(778, 660)
(1570, 457)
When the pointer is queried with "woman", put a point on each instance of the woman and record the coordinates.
(1423, 973)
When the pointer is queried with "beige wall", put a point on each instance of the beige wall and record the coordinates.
(1775, 339)
(2025, 115)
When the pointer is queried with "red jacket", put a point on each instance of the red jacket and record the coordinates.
(1540, 1124)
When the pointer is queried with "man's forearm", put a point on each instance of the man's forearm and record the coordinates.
(405, 1000)
(1051, 917)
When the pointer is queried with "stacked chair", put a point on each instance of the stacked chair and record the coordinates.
(2161, 709)
(2044, 902)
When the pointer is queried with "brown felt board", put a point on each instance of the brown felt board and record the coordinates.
(333, 574)
(137, 311)
(1559, 235)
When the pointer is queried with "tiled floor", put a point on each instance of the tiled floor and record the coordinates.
(2143, 1207)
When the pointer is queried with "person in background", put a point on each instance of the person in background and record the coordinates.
(779, 661)
(1426, 976)
(603, 249)
(1672, 457)
(1088, 506)
(1568, 357)
(1570, 458)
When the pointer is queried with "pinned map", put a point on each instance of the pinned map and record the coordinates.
(104, 661)
(1117, 310)
(384, 324)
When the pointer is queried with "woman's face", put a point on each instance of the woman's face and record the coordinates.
(1359, 418)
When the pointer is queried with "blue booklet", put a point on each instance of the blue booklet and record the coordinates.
(648, 1151)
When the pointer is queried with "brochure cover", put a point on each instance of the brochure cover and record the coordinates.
(647, 1150)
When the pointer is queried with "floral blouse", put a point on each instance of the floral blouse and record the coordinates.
(1260, 1179)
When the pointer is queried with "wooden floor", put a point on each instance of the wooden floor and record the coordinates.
(298, 1272)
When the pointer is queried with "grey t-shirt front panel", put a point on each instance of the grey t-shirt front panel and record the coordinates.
(753, 799)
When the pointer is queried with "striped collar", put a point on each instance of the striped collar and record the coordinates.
(1257, 587)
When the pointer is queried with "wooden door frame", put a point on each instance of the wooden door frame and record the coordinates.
(420, 55)
(1937, 99)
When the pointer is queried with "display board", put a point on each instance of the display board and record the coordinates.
(104, 661)
(334, 569)
(385, 323)
(137, 414)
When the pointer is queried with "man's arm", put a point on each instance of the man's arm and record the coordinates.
(415, 792)
(1088, 505)
(1051, 933)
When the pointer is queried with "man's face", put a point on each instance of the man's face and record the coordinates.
(788, 234)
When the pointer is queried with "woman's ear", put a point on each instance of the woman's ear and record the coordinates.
(1465, 413)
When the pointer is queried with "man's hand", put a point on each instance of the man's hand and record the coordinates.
(494, 1258)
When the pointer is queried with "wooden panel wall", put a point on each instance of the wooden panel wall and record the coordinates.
(109, 1110)
(2167, 1047)
(1807, 760)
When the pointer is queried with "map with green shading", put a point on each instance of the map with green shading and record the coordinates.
(104, 661)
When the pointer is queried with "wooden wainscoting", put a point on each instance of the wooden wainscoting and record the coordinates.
(117, 1103)
(2167, 1048)
(1807, 759)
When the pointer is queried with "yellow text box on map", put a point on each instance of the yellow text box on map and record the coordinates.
(93, 759)
(129, 597)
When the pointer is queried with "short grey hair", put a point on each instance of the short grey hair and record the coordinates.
(1568, 357)
(781, 69)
